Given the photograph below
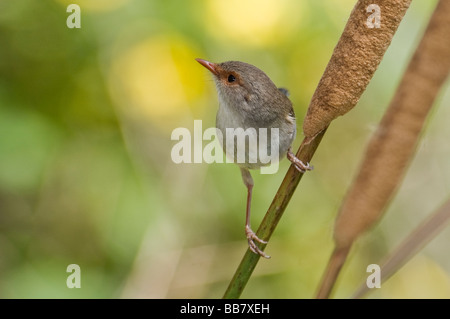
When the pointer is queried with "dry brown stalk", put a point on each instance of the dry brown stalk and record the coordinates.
(418, 238)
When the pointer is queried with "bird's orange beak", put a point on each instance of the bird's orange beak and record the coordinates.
(209, 65)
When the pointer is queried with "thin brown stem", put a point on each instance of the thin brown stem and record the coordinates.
(337, 260)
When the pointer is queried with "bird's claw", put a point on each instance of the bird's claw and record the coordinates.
(251, 237)
(298, 164)
(302, 168)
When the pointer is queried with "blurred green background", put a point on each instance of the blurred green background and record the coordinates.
(86, 176)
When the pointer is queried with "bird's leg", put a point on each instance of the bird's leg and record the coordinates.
(251, 236)
(299, 165)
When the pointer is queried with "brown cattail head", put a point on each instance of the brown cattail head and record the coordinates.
(366, 37)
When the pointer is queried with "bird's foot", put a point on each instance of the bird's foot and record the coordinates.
(251, 237)
(298, 164)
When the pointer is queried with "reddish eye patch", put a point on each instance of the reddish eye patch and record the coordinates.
(230, 78)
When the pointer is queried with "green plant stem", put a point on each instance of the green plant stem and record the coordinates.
(272, 217)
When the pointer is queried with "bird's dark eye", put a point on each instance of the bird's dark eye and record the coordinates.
(231, 78)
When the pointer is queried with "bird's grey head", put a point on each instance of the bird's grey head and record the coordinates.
(243, 87)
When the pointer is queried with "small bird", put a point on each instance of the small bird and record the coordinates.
(249, 99)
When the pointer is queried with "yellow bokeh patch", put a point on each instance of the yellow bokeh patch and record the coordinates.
(253, 22)
(157, 77)
(421, 277)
